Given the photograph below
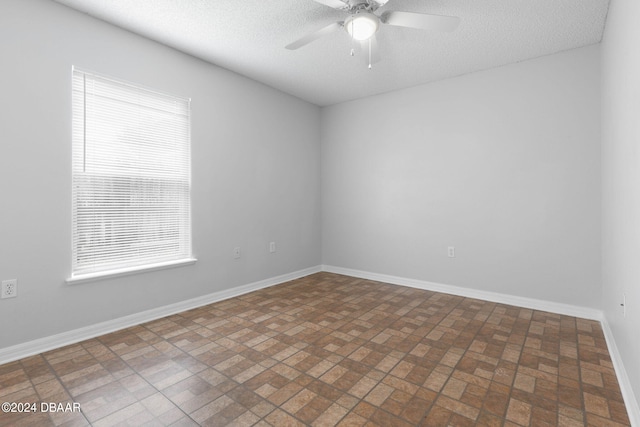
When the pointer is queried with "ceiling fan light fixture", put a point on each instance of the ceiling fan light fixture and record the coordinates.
(362, 26)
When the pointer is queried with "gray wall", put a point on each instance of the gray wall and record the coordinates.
(621, 181)
(503, 164)
(255, 172)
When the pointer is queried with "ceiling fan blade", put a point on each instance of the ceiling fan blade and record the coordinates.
(336, 4)
(381, 2)
(315, 35)
(421, 21)
(375, 52)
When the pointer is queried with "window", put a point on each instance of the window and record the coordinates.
(131, 177)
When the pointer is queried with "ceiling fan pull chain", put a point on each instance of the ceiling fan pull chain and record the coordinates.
(369, 53)
(352, 41)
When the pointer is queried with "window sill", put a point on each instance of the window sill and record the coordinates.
(83, 278)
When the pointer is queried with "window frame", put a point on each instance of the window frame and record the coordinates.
(182, 222)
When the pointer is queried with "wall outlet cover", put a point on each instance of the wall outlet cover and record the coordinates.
(9, 288)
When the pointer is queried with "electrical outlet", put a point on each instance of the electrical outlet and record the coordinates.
(236, 253)
(10, 288)
(272, 247)
(451, 252)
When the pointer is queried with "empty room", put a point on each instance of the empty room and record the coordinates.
(320, 213)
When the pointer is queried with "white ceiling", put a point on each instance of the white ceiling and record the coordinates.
(249, 36)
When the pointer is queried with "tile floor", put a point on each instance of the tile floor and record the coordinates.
(330, 350)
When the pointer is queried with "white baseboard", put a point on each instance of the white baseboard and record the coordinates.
(630, 401)
(552, 307)
(41, 345)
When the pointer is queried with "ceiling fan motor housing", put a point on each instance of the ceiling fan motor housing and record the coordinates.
(355, 6)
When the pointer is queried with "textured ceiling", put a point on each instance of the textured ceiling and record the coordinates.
(249, 36)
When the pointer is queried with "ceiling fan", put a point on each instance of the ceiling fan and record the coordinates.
(362, 23)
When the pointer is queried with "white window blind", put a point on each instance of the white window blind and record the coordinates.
(131, 176)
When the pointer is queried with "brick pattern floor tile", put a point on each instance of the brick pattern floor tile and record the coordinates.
(328, 350)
